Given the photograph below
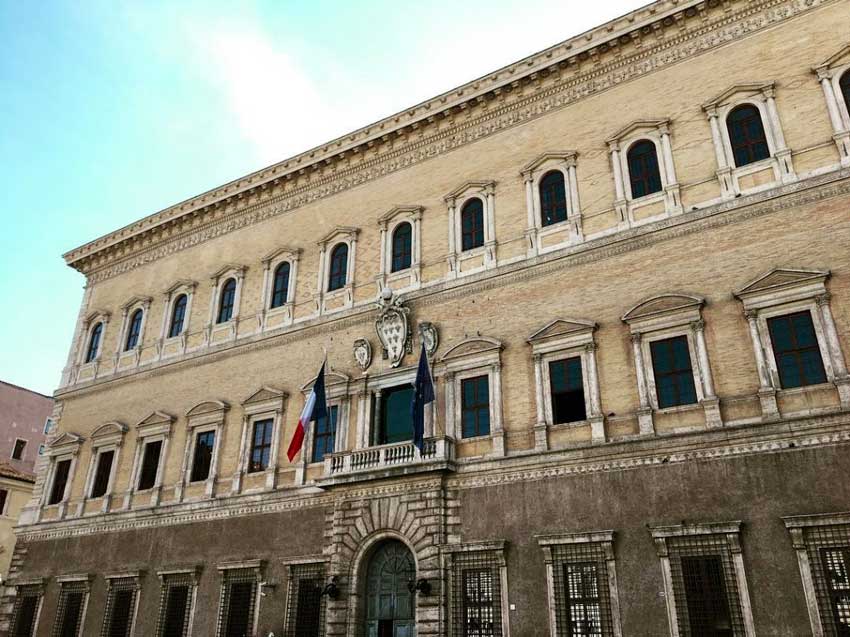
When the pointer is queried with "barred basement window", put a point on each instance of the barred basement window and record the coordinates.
(71, 609)
(237, 602)
(120, 611)
(475, 593)
(26, 610)
(305, 609)
(175, 605)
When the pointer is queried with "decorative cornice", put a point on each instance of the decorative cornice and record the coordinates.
(494, 104)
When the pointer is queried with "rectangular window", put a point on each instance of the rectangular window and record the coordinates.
(705, 594)
(478, 611)
(395, 419)
(18, 451)
(120, 607)
(4, 495)
(237, 604)
(60, 481)
(69, 612)
(201, 463)
(102, 474)
(836, 565)
(306, 608)
(48, 426)
(674, 377)
(261, 445)
(581, 585)
(25, 611)
(567, 390)
(475, 593)
(175, 605)
(150, 465)
(324, 437)
(795, 348)
(475, 406)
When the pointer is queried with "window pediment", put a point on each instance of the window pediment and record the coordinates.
(208, 407)
(638, 126)
(470, 347)
(144, 301)
(783, 284)
(839, 58)
(67, 442)
(97, 315)
(265, 394)
(284, 252)
(111, 428)
(664, 305)
(183, 285)
(407, 212)
(231, 269)
(470, 188)
(561, 329)
(567, 157)
(746, 88)
(157, 422)
(335, 382)
(339, 232)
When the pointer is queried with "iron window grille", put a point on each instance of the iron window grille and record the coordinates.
(305, 609)
(338, 275)
(402, 247)
(228, 300)
(261, 446)
(175, 605)
(60, 481)
(553, 198)
(581, 592)
(472, 224)
(237, 602)
(746, 135)
(795, 349)
(674, 376)
(102, 473)
(644, 173)
(71, 609)
(120, 610)
(705, 587)
(828, 549)
(178, 316)
(201, 463)
(134, 330)
(476, 594)
(94, 342)
(567, 391)
(324, 437)
(280, 286)
(26, 610)
(150, 465)
(475, 406)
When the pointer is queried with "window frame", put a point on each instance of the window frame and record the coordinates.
(488, 555)
(749, 143)
(337, 393)
(654, 364)
(486, 253)
(217, 282)
(235, 572)
(338, 278)
(180, 288)
(476, 229)
(114, 585)
(175, 578)
(830, 74)
(66, 585)
(66, 447)
(133, 335)
(298, 570)
(23, 450)
(331, 408)
(328, 300)
(129, 310)
(4, 501)
(547, 238)
(108, 437)
(207, 416)
(267, 403)
(282, 315)
(155, 428)
(647, 176)
(388, 223)
(27, 588)
(83, 361)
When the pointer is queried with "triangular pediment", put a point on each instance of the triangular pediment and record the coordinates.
(109, 429)
(841, 56)
(391, 214)
(136, 300)
(263, 394)
(230, 268)
(663, 304)
(182, 284)
(208, 407)
(552, 155)
(780, 278)
(66, 438)
(471, 346)
(340, 231)
(736, 89)
(638, 125)
(287, 251)
(156, 418)
(466, 186)
(97, 315)
(561, 327)
(331, 378)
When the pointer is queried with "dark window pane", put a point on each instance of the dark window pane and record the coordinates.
(308, 613)
(395, 419)
(338, 275)
(324, 437)
(3, 496)
(69, 615)
(226, 303)
(94, 342)
(567, 391)
(239, 608)
(746, 134)
(178, 316)
(134, 330)
(836, 566)
(845, 89)
(644, 173)
(795, 348)
(472, 224)
(174, 622)
(475, 406)
(674, 378)
(280, 287)
(150, 465)
(261, 446)
(102, 474)
(18, 451)
(23, 624)
(204, 444)
(705, 594)
(553, 198)
(121, 614)
(402, 247)
(60, 481)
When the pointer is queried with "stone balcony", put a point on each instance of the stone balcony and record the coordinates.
(387, 461)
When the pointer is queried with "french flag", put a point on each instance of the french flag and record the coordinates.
(314, 409)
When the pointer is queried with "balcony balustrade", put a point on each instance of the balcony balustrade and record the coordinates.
(389, 460)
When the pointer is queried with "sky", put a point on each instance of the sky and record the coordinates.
(113, 110)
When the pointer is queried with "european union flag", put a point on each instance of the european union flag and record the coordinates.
(423, 393)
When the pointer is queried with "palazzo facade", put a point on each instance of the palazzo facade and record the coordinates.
(628, 259)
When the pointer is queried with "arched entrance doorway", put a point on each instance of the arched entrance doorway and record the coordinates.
(390, 608)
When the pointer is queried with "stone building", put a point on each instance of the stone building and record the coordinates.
(627, 256)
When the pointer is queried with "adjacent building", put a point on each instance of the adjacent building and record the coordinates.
(627, 259)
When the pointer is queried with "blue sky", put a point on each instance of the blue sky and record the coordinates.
(110, 111)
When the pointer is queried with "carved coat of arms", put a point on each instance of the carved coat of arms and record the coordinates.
(392, 328)
(363, 353)
(429, 336)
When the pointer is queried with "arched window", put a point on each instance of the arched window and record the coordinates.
(178, 316)
(746, 134)
(845, 89)
(553, 198)
(94, 342)
(228, 298)
(644, 173)
(402, 247)
(280, 285)
(339, 267)
(134, 330)
(472, 224)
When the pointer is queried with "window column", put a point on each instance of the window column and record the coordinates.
(842, 379)
(645, 422)
(724, 171)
